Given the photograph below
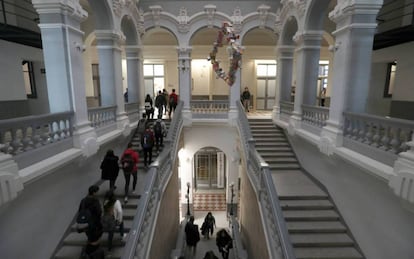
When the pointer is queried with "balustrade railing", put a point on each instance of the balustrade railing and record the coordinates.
(27, 133)
(384, 133)
(132, 110)
(102, 116)
(158, 176)
(208, 107)
(315, 115)
(286, 110)
(259, 174)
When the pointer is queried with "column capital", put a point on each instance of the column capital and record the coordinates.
(308, 39)
(70, 8)
(347, 9)
(133, 52)
(184, 51)
(109, 38)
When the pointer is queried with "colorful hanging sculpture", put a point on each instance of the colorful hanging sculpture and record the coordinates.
(234, 50)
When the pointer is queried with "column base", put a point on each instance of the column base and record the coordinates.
(233, 116)
(331, 137)
(187, 116)
(122, 124)
(85, 138)
(276, 113)
(295, 123)
(10, 183)
(403, 180)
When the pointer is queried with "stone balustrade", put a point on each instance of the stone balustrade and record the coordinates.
(102, 116)
(315, 115)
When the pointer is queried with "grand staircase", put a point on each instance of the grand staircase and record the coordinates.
(73, 243)
(315, 226)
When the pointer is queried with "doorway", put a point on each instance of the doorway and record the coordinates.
(209, 168)
(266, 92)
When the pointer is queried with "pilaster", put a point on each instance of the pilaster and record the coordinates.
(133, 59)
(284, 77)
(184, 74)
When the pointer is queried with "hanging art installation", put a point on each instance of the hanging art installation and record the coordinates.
(233, 49)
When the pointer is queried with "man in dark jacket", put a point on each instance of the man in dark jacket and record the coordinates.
(192, 236)
(160, 102)
(132, 155)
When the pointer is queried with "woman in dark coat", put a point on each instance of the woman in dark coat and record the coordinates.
(110, 168)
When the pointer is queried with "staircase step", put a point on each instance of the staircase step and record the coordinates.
(309, 197)
(284, 166)
(265, 143)
(274, 149)
(327, 253)
(286, 159)
(321, 240)
(306, 204)
(270, 154)
(310, 215)
(315, 227)
(69, 252)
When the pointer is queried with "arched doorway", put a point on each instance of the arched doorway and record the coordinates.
(209, 168)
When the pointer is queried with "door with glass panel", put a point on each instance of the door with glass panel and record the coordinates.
(266, 86)
(206, 169)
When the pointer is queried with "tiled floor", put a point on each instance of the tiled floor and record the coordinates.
(209, 201)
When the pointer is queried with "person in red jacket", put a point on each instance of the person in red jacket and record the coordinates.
(129, 160)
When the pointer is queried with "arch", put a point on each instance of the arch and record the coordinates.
(259, 36)
(289, 29)
(129, 30)
(102, 13)
(161, 35)
(316, 13)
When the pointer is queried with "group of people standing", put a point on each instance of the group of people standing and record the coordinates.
(224, 241)
(163, 102)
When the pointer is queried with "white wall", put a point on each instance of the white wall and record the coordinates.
(11, 75)
(404, 78)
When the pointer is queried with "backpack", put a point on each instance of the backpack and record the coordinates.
(147, 140)
(147, 106)
(108, 218)
(173, 100)
(158, 128)
(128, 163)
(84, 218)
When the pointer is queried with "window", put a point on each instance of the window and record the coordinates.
(29, 81)
(390, 80)
(323, 74)
(154, 77)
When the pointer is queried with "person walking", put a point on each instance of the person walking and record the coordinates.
(173, 101)
(90, 208)
(224, 243)
(149, 109)
(110, 168)
(246, 99)
(129, 160)
(208, 225)
(159, 131)
(166, 96)
(147, 143)
(112, 217)
(160, 103)
(192, 236)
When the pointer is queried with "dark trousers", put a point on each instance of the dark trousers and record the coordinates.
(147, 155)
(111, 234)
(128, 179)
(112, 184)
(158, 141)
(172, 109)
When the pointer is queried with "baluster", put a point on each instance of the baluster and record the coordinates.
(355, 129)
(395, 141)
(368, 134)
(405, 137)
(362, 130)
(27, 138)
(376, 138)
(15, 142)
(385, 140)
(349, 128)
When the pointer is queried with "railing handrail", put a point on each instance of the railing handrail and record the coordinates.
(102, 108)
(382, 119)
(315, 108)
(37, 118)
(238, 250)
(261, 175)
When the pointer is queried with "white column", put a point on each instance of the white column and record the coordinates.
(307, 64)
(234, 96)
(284, 77)
(110, 72)
(184, 75)
(132, 61)
(62, 42)
(354, 36)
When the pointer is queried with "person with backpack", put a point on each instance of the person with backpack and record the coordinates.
(160, 103)
(159, 131)
(129, 161)
(147, 142)
(166, 96)
(207, 228)
(173, 101)
(110, 168)
(88, 220)
(149, 110)
(112, 217)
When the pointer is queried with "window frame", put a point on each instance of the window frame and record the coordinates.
(32, 82)
(388, 82)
